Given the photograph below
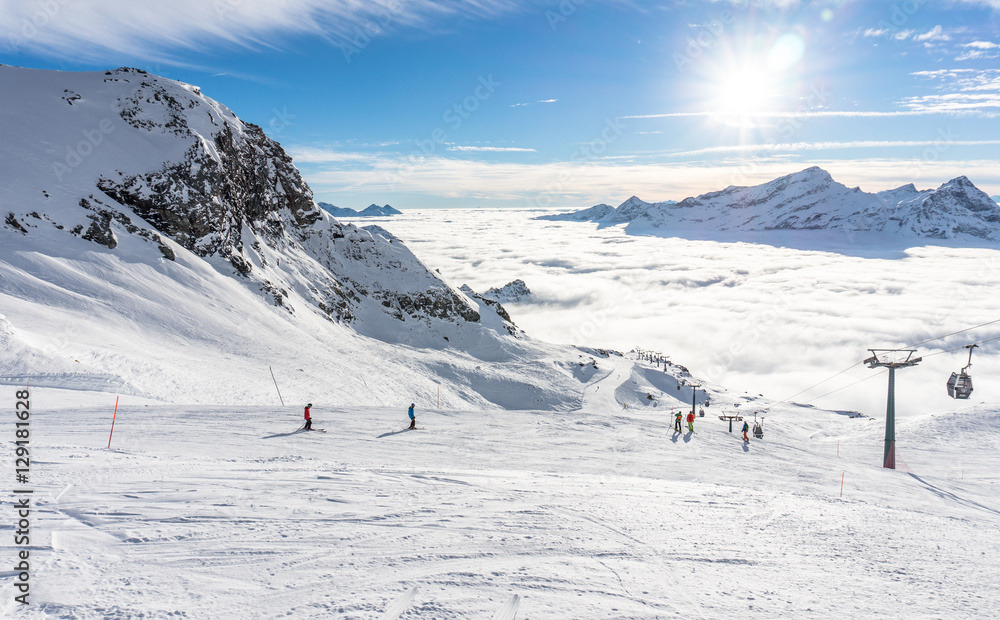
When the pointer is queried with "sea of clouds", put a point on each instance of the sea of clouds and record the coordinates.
(752, 316)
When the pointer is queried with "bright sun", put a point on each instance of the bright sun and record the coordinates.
(752, 85)
(744, 92)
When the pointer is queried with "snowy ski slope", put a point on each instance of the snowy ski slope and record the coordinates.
(212, 512)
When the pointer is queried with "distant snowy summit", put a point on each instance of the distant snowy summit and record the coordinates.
(372, 210)
(511, 292)
(812, 200)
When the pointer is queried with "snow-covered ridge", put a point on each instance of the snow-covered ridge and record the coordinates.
(513, 291)
(160, 161)
(812, 200)
(154, 244)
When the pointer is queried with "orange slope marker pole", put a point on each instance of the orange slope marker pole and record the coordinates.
(842, 483)
(113, 421)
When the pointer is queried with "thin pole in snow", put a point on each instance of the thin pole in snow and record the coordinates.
(842, 483)
(276, 387)
(113, 421)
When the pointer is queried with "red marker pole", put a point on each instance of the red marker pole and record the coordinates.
(842, 483)
(113, 421)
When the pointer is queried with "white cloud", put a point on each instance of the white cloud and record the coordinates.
(976, 55)
(983, 45)
(521, 105)
(569, 184)
(934, 34)
(960, 91)
(752, 317)
(876, 32)
(304, 154)
(492, 149)
(801, 115)
(100, 29)
(787, 147)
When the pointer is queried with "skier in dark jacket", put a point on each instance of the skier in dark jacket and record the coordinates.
(309, 420)
(413, 419)
(677, 421)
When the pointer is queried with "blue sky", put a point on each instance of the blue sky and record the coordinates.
(565, 104)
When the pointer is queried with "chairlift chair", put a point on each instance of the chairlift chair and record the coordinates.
(960, 383)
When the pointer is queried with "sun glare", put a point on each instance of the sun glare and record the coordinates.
(744, 92)
(753, 85)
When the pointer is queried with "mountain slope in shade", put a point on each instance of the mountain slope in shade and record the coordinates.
(813, 200)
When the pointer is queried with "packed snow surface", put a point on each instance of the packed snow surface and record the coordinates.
(604, 512)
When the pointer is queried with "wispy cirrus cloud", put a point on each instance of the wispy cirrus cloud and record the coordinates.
(979, 50)
(491, 149)
(803, 114)
(959, 90)
(527, 103)
(786, 147)
(102, 29)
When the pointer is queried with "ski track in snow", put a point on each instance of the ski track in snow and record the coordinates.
(591, 514)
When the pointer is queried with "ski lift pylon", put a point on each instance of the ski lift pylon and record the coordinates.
(960, 383)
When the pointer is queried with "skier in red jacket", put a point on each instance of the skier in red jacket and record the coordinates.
(690, 420)
(309, 421)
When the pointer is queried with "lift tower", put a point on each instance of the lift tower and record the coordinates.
(891, 359)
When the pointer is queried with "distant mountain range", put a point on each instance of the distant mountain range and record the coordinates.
(371, 210)
(812, 200)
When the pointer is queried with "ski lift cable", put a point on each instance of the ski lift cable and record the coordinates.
(878, 374)
(962, 347)
(968, 329)
(833, 376)
(819, 384)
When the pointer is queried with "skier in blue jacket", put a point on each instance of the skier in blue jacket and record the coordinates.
(746, 427)
(413, 420)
